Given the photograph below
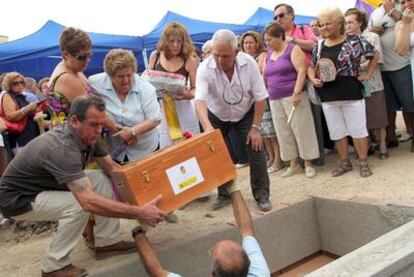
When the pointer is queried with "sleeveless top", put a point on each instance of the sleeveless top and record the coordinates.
(280, 74)
(412, 54)
(58, 102)
(30, 131)
(181, 70)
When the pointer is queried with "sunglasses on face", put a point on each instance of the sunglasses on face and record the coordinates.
(15, 83)
(280, 15)
(82, 57)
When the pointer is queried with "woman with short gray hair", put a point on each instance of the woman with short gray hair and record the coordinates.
(131, 102)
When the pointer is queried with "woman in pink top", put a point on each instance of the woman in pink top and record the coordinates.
(284, 72)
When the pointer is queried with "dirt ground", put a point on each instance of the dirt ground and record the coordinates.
(392, 182)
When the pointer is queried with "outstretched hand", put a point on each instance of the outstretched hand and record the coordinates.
(150, 214)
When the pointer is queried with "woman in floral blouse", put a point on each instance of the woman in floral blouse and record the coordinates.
(337, 75)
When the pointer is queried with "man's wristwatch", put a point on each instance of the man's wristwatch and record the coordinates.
(137, 230)
(257, 127)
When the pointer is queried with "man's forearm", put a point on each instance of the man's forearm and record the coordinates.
(148, 256)
(305, 45)
(202, 113)
(242, 214)
(259, 108)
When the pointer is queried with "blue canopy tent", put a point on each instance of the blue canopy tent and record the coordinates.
(263, 16)
(200, 31)
(37, 54)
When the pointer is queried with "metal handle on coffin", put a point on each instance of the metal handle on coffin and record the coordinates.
(146, 176)
(211, 146)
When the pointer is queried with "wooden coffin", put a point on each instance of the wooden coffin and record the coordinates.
(180, 173)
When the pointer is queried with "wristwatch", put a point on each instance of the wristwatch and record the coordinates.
(137, 230)
(257, 127)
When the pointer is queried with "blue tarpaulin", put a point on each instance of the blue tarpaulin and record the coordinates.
(36, 55)
(263, 16)
(199, 30)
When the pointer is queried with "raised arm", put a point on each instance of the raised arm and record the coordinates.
(241, 212)
(402, 33)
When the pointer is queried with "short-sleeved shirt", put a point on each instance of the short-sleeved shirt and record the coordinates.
(230, 100)
(392, 61)
(140, 105)
(347, 59)
(375, 83)
(48, 162)
(304, 32)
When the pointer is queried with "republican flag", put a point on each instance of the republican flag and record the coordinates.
(368, 5)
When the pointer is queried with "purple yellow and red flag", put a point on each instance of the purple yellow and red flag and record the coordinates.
(368, 5)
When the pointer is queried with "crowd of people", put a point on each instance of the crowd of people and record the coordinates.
(280, 99)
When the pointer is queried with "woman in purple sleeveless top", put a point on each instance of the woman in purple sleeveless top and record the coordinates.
(284, 72)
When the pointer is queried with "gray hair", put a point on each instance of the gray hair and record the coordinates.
(225, 36)
(207, 46)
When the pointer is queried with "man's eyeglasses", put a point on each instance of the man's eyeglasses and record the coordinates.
(82, 57)
(280, 15)
(15, 83)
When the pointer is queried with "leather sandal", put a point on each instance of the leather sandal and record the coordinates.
(365, 170)
(342, 168)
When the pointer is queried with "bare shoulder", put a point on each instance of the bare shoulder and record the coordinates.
(152, 58)
(71, 85)
(191, 63)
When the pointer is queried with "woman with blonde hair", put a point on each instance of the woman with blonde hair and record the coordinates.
(337, 75)
(174, 54)
(16, 108)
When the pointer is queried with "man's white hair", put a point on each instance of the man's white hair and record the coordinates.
(225, 36)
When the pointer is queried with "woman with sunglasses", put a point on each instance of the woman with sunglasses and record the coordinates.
(404, 43)
(16, 108)
(284, 71)
(68, 81)
(251, 43)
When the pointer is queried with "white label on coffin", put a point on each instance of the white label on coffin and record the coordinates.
(185, 175)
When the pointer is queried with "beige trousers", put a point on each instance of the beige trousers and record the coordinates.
(297, 139)
(62, 206)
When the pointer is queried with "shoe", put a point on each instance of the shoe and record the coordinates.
(404, 137)
(241, 165)
(383, 156)
(122, 247)
(291, 171)
(393, 144)
(318, 162)
(364, 170)
(264, 204)
(171, 218)
(67, 271)
(310, 172)
(220, 202)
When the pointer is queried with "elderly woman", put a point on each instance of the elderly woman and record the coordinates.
(284, 71)
(252, 43)
(404, 43)
(16, 108)
(43, 88)
(174, 55)
(337, 80)
(376, 110)
(131, 103)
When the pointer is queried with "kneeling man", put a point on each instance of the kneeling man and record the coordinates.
(47, 181)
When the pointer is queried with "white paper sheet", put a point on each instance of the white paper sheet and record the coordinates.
(185, 175)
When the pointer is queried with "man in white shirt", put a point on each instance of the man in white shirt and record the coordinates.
(231, 95)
